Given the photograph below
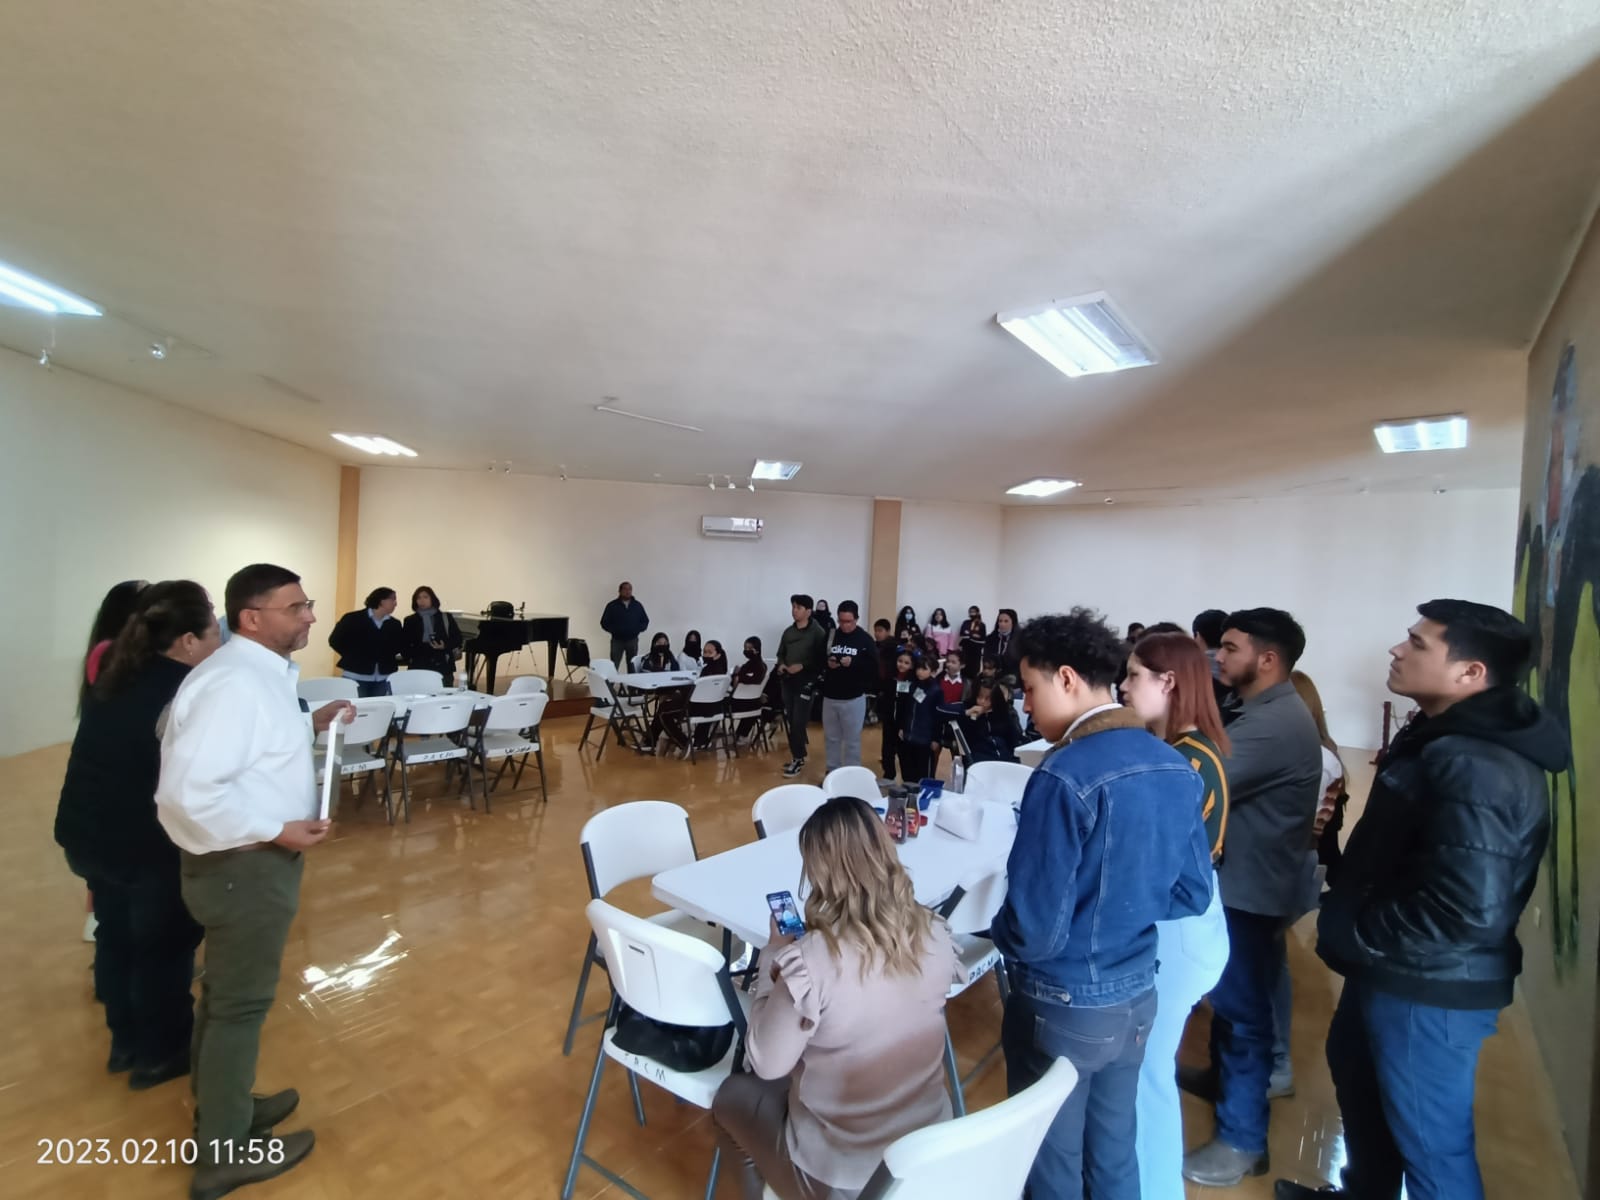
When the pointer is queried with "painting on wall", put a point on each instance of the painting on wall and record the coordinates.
(1558, 595)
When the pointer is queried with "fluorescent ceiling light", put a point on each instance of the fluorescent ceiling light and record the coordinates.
(21, 290)
(1042, 487)
(373, 444)
(1085, 336)
(774, 470)
(1421, 433)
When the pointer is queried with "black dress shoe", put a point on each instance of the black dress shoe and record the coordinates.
(214, 1182)
(1285, 1190)
(175, 1067)
(269, 1111)
(120, 1061)
(1199, 1081)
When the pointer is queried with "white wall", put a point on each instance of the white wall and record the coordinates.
(99, 484)
(564, 547)
(950, 559)
(1352, 569)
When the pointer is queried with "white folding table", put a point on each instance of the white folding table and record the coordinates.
(730, 889)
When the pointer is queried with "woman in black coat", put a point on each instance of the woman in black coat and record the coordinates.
(1002, 644)
(970, 641)
(106, 822)
(432, 637)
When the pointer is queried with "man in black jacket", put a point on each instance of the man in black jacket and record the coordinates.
(624, 619)
(1422, 920)
(369, 643)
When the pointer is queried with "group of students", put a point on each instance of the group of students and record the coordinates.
(1162, 849)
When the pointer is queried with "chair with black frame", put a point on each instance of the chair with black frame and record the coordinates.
(508, 730)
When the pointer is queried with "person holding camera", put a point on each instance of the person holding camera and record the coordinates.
(432, 637)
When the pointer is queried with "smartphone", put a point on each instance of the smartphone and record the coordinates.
(786, 914)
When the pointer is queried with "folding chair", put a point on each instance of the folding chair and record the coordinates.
(364, 747)
(509, 730)
(744, 693)
(785, 807)
(666, 976)
(859, 782)
(713, 689)
(576, 653)
(627, 842)
(623, 715)
(438, 723)
(416, 683)
(969, 910)
(524, 684)
(999, 782)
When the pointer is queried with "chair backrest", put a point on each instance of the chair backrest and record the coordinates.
(634, 841)
(752, 691)
(859, 782)
(604, 668)
(785, 807)
(710, 689)
(371, 723)
(439, 714)
(516, 712)
(316, 692)
(1000, 782)
(987, 1153)
(666, 975)
(416, 683)
(981, 898)
(527, 683)
(600, 687)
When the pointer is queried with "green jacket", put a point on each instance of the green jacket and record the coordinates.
(807, 646)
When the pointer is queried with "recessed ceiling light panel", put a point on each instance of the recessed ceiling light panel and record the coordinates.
(774, 470)
(1085, 336)
(372, 444)
(21, 290)
(1417, 434)
(1042, 487)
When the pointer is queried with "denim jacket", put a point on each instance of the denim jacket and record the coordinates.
(1110, 840)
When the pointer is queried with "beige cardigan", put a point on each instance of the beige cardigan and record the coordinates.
(866, 1056)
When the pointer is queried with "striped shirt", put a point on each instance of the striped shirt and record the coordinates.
(1205, 758)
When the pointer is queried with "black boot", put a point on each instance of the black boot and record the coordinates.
(253, 1161)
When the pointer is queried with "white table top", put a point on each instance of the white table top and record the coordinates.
(655, 681)
(1031, 754)
(730, 889)
(402, 704)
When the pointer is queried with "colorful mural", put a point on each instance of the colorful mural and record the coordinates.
(1558, 595)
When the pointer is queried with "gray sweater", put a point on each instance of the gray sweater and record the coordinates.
(1274, 783)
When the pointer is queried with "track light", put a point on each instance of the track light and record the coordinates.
(158, 350)
(752, 485)
(731, 485)
(711, 482)
(44, 359)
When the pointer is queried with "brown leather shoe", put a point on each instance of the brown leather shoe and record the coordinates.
(253, 1161)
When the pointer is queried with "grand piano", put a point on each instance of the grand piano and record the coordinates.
(490, 637)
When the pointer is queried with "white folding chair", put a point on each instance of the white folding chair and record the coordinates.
(363, 745)
(623, 714)
(669, 977)
(998, 782)
(859, 782)
(509, 730)
(627, 842)
(785, 807)
(317, 692)
(437, 724)
(968, 911)
(712, 689)
(986, 1154)
(742, 695)
(527, 683)
(416, 683)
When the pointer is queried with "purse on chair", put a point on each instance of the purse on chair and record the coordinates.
(685, 1048)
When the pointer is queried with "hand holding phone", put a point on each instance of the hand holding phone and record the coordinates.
(785, 915)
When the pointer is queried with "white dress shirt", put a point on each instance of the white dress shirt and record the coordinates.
(236, 756)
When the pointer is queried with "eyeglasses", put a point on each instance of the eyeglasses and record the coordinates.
(298, 607)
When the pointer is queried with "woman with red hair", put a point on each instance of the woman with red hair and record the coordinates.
(1169, 687)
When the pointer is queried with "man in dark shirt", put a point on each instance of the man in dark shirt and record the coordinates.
(624, 619)
(800, 653)
(1274, 781)
(851, 673)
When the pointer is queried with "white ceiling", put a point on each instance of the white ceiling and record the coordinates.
(463, 225)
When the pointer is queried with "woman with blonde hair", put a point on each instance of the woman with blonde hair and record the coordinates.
(846, 1037)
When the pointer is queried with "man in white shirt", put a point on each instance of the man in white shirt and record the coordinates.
(238, 798)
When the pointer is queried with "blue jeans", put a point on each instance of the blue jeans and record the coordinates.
(1404, 1075)
(1089, 1149)
(1190, 956)
(1241, 1028)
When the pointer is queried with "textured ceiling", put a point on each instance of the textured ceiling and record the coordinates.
(463, 225)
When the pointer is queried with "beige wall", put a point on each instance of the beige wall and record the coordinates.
(1556, 592)
(100, 484)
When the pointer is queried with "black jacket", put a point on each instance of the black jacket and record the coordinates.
(419, 652)
(624, 621)
(1438, 869)
(106, 819)
(366, 648)
(1010, 663)
(859, 673)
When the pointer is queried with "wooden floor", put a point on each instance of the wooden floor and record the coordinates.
(425, 991)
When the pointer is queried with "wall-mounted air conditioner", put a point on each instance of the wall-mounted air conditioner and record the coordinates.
(745, 528)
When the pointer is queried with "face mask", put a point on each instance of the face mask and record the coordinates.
(751, 654)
